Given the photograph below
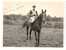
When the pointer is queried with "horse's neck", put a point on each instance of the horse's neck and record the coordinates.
(39, 19)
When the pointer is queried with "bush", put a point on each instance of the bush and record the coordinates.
(58, 25)
(8, 22)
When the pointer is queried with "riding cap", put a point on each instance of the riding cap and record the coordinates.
(34, 6)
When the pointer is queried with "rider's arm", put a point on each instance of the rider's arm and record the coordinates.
(36, 13)
(30, 13)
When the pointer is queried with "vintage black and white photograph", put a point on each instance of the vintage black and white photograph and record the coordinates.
(33, 23)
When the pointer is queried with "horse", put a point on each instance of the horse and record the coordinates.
(36, 27)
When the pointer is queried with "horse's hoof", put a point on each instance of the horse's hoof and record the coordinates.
(36, 45)
(26, 39)
(29, 38)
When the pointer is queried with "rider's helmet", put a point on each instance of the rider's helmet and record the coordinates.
(34, 6)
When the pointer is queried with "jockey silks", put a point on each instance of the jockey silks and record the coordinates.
(33, 16)
(33, 13)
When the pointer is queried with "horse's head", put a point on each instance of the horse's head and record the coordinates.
(42, 14)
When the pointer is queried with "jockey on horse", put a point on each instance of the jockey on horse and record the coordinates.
(32, 15)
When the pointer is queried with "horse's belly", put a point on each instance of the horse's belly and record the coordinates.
(36, 27)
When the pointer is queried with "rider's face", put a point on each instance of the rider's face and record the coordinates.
(33, 8)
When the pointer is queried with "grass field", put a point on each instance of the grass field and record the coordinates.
(15, 36)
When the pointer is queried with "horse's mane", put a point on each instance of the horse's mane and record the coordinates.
(38, 20)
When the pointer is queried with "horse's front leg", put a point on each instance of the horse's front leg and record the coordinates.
(27, 32)
(38, 38)
(30, 34)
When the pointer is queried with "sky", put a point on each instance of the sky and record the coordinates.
(53, 7)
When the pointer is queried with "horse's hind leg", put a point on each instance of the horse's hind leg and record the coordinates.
(27, 32)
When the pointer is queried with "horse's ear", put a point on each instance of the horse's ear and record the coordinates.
(42, 10)
(45, 10)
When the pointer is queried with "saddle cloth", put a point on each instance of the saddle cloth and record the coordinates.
(32, 19)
